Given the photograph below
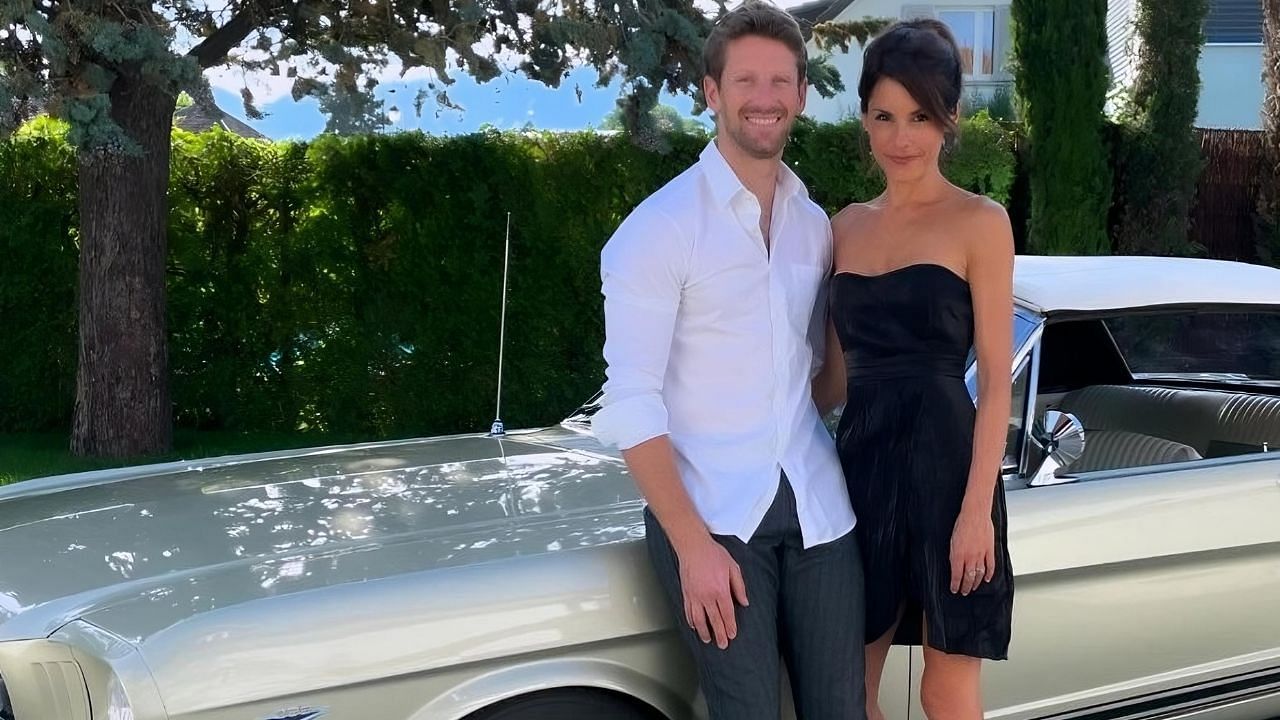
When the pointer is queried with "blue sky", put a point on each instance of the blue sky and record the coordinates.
(507, 102)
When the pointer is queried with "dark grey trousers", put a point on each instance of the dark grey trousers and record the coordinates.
(806, 608)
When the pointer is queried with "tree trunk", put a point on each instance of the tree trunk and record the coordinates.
(122, 383)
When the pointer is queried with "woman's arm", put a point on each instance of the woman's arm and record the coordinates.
(990, 274)
(829, 384)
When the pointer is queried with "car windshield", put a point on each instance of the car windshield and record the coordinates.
(1024, 323)
(582, 416)
(1213, 346)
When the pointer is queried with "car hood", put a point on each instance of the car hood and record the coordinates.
(204, 536)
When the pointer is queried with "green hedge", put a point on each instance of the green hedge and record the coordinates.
(835, 161)
(353, 285)
(38, 261)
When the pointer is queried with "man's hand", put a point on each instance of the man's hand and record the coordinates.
(711, 582)
(709, 577)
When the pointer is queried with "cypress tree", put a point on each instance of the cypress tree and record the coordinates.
(1163, 162)
(1061, 82)
(1269, 247)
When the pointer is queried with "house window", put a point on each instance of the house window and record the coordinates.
(1234, 22)
(975, 32)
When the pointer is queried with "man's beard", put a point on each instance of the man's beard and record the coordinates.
(755, 147)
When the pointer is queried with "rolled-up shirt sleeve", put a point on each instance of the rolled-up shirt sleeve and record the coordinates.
(818, 321)
(642, 271)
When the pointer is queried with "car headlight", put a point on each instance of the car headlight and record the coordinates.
(41, 681)
(118, 705)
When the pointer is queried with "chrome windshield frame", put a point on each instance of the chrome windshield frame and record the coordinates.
(1026, 351)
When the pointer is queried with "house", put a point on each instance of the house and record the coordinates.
(1230, 64)
(197, 118)
(981, 30)
(1231, 88)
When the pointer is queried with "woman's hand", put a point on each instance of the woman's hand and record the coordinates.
(973, 550)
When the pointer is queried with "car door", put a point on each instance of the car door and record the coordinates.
(1144, 591)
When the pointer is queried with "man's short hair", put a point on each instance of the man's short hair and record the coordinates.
(759, 18)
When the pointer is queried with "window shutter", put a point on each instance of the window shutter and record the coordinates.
(911, 12)
(1003, 44)
(1234, 21)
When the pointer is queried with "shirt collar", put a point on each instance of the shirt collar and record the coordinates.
(724, 183)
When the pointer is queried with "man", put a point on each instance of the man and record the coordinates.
(713, 334)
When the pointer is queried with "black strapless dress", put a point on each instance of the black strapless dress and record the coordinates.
(905, 441)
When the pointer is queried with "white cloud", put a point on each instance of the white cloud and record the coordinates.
(267, 88)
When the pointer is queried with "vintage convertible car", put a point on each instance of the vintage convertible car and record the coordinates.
(504, 578)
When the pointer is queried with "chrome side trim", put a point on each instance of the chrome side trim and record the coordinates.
(1183, 701)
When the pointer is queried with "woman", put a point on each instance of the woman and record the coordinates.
(922, 273)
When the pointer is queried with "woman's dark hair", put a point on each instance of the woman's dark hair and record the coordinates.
(922, 55)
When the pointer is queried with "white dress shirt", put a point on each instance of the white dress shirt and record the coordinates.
(713, 339)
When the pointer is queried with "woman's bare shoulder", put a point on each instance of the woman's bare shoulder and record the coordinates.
(986, 231)
(852, 215)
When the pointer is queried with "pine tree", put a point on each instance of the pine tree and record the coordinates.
(843, 34)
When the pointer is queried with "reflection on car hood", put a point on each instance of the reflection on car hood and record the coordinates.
(218, 534)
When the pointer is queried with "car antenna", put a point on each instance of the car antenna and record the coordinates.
(498, 429)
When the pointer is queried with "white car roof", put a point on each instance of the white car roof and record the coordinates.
(1060, 283)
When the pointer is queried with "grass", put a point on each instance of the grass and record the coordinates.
(30, 455)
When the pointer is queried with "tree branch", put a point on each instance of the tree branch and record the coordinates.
(213, 50)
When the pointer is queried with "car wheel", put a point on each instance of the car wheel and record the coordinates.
(577, 703)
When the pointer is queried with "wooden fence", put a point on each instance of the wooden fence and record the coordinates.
(1224, 218)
